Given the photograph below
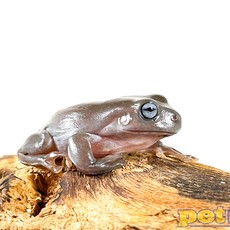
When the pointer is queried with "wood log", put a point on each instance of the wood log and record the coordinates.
(148, 193)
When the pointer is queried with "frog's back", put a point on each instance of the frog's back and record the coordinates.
(84, 118)
(65, 123)
(74, 119)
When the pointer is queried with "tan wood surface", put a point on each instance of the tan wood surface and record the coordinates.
(148, 193)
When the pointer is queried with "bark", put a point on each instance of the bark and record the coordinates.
(148, 193)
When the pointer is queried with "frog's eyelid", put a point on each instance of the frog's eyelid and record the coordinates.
(158, 97)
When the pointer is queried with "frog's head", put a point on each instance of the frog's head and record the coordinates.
(149, 114)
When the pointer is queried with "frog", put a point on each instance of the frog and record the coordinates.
(93, 138)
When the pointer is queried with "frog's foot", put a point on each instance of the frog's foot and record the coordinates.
(56, 161)
(80, 153)
(163, 151)
(105, 164)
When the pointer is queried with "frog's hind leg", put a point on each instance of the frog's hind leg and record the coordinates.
(40, 149)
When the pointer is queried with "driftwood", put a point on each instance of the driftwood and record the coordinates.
(148, 193)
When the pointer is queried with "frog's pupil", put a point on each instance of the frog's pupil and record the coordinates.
(150, 109)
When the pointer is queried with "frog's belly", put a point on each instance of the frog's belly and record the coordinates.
(108, 145)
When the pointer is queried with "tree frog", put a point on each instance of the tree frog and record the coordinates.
(93, 137)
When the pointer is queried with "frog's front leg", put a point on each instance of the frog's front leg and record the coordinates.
(80, 153)
(40, 149)
(163, 151)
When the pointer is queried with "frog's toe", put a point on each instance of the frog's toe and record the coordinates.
(112, 159)
(191, 158)
(55, 161)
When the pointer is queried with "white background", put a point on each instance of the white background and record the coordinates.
(54, 54)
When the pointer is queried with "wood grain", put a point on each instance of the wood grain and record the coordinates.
(146, 194)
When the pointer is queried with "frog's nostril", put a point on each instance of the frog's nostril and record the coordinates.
(174, 117)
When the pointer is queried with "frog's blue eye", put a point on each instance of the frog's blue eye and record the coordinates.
(148, 110)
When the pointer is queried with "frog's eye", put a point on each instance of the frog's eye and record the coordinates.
(148, 110)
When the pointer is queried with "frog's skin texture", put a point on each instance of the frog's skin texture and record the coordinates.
(94, 137)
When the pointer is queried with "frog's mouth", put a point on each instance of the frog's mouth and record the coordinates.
(150, 133)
